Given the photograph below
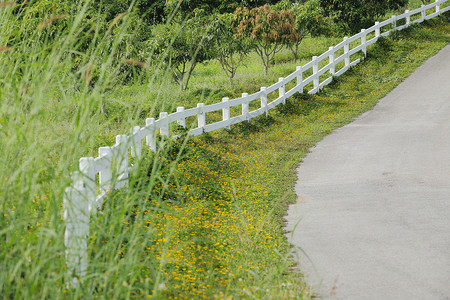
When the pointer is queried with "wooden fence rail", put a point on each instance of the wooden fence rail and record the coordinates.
(97, 176)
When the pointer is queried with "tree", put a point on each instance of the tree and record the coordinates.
(182, 46)
(353, 15)
(268, 29)
(309, 19)
(228, 50)
(186, 7)
(151, 11)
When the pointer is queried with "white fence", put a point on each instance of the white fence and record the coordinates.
(112, 164)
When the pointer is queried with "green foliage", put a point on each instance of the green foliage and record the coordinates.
(354, 15)
(43, 22)
(228, 50)
(151, 11)
(310, 17)
(309, 20)
(182, 46)
(44, 18)
(269, 29)
(299, 104)
(172, 174)
(185, 8)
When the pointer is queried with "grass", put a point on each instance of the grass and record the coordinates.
(202, 218)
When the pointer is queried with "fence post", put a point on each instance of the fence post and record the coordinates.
(76, 216)
(300, 79)
(105, 176)
(315, 70)
(377, 29)
(181, 121)
(264, 99)
(346, 50)
(423, 12)
(331, 61)
(150, 138)
(394, 22)
(363, 42)
(226, 110)
(136, 146)
(86, 165)
(121, 158)
(201, 118)
(438, 6)
(245, 108)
(163, 117)
(408, 18)
(282, 90)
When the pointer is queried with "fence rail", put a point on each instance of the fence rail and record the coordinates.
(110, 170)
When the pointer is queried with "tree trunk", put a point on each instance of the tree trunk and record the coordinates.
(231, 81)
(294, 51)
(191, 69)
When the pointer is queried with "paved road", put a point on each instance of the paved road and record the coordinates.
(373, 209)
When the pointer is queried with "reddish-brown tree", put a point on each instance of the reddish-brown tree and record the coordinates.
(268, 29)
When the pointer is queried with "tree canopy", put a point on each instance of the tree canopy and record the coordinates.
(186, 7)
(353, 15)
(269, 29)
(182, 46)
(309, 20)
(227, 49)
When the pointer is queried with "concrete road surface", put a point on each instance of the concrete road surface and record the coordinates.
(373, 209)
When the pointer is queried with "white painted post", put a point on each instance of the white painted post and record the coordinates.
(423, 12)
(331, 61)
(377, 29)
(201, 118)
(121, 158)
(86, 166)
(226, 110)
(164, 130)
(438, 6)
(299, 79)
(346, 50)
(315, 70)
(394, 22)
(181, 121)
(76, 216)
(363, 42)
(150, 138)
(245, 108)
(136, 146)
(282, 90)
(264, 99)
(105, 176)
(408, 18)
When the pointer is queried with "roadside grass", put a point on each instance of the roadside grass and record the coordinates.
(221, 234)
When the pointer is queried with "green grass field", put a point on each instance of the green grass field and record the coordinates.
(203, 218)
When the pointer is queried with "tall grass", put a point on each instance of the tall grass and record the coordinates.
(53, 83)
